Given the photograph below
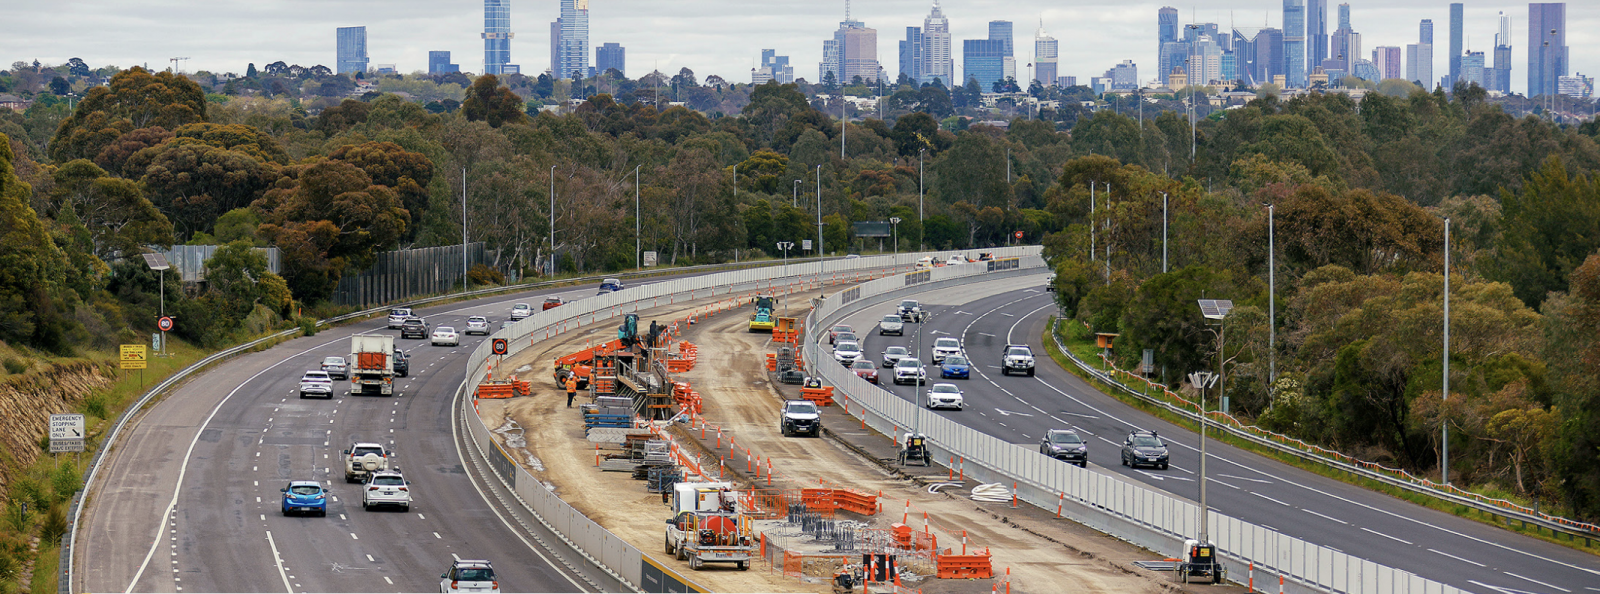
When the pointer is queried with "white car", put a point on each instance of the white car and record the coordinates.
(846, 352)
(386, 487)
(945, 396)
(910, 371)
(445, 335)
(945, 347)
(894, 354)
(362, 459)
(891, 324)
(316, 383)
(1018, 358)
(521, 310)
(478, 325)
(397, 317)
(955, 260)
(469, 575)
(336, 367)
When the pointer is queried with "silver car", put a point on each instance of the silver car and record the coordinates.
(477, 325)
(336, 368)
(397, 317)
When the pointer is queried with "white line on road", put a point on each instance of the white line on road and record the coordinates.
(1386, 536)
(1537, 582)
(436, 535)
(1462, 559)
(369, 558)
(421, 517)
(1246, 479)
(1327, 517)
(276, 559)
(354, 537)
(1287, 505)
(387, 580)
(458, 557)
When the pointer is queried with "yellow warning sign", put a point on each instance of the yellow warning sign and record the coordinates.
(133, 356)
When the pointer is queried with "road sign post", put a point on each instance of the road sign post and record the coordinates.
(66, 433)
(133, 357)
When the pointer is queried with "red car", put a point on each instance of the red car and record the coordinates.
(866, 370)
(550, 302)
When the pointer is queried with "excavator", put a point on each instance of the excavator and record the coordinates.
(763, 319)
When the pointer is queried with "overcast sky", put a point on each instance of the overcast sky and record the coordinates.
(709, 36)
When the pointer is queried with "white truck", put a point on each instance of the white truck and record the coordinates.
(707, 527)
(372, 364)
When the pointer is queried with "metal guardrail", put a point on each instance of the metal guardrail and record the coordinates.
(69, 539)
(1265, 438)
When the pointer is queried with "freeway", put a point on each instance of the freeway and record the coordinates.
(1432, 544)
(190, 500)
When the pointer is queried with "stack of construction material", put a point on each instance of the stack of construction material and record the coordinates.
(688, 399)
(662, 478)
(685, 359)
(608, 412)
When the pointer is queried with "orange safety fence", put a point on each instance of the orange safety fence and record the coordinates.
(772, 361)
(688, 400)
(953, 566)
(823, 396)
(495, 390)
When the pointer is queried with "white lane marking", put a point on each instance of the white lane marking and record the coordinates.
(341, 516)
(184, 469)
(1246, 479)
(387, 580)
(354, 537)
(1007, 413)
(1462, 559)
(1386, 536)
(369, 558)
(1080, 415)
(1287, 505)
(1212, 480)
(1328, 517)
(421, 517)
(436, 535)
(278, 560)
(1537, 582)
(990, 336)
(263, 517)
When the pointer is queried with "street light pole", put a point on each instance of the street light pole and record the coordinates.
(820, 261)
(922, 231)
(465, 280)
(637, 246)
(1201, 381)
(1444, 430)
(552, 220)
(1163, 232)
(1272, 307)
(794, 193)
(1092, 217)
(894, 222)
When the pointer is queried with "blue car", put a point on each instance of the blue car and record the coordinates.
(305, 497)
(955, 366)
(610, 285)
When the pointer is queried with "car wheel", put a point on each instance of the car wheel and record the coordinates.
(1163, 465)
(1083, 464)
(667, 543)
(1005, 371)
(302, 395)
(1124, 460)
(1030, 373)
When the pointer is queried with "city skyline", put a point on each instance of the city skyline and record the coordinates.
(1102, 34)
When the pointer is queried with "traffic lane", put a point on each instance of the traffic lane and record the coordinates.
(1255, 499)
(1340, 515)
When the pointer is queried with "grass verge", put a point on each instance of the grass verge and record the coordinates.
(1084, 349)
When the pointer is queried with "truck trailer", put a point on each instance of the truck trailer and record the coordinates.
(372, 364)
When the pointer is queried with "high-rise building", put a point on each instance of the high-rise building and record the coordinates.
(439, 63)
(1294, 43)
(911, 53)
(1547, 46)
(1387, 59)
(1316, 32)
(1472, 71)
(1419, 56)
(830, 67)
(1124, 76)
(1244, 58)
(852, 52)
(1270, 60)
(1456, 18)
(1500, 76)
(1166, 25)
(1205, 61)
(609, 56)
(1002, 31)
(983, 60)
(937, 61)
(1576, 87)
(351, 54)
(497, 38)
(1045, 55)
(1066, 82)
(1172, 55)
(1365, 70)
(571, 45)
(782, 71)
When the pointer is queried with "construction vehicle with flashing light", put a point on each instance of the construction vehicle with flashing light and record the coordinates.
(763, 319)
(706, 526)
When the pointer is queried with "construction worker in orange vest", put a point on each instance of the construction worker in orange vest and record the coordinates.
(572, 388)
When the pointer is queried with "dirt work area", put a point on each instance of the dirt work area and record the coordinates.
(1042, 555)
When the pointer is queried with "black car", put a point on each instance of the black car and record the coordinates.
(1144, 448)
(1065, 444)
(414, 328)
(402, 366)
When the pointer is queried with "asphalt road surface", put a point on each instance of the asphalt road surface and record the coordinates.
(1438, 546)
(191, 498)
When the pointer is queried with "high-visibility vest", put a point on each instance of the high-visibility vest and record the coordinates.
(572, 383)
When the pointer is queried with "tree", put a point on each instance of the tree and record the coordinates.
(237, 275)
(116, 154)
(134, 99)
(195, 183)
(77, 67)
(492, 102)
(114, 211)
(251, 71)
(332, 216)
(33, 265)
(405, 172)
(60, 87)
(1547, 231)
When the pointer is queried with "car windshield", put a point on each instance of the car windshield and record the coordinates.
(862, 364)
(552, 300)
(1147, 441)
(305, 489)
(333, 361)
(388, 480)
(803, 408)
(444, 330)
(892, 319)
(400, 312)
(947, 343)
(954, 361)
(847, 346)
(358, 452)
(479, 319)
(946, 389)
(838, 329)
(475, 574)
(1018, 352)
(1067, 438)
(908, 304)
(316, 375)
(908, 363)
(895, 350)
(414, 322)
(520, 306)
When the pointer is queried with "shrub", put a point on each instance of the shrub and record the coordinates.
(65, 481)
(15, 365)
(484, 275)
(55, 524)
(95, 405)
(308, 326)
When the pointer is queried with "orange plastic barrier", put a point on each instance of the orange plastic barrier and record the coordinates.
(772, 361)
(823, 396)
(688, 353)
(965, 566)
(687, 399)
(859, 502)
(495, 391)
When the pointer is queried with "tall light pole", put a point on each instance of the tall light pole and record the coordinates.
(465, 280)
(794, 193)
(735, 180)
(922, 231)
(1092, 217)
(1163, 232)
(844, 120)
(1211, 309)
(1444, 429)
(1108, 229)
(894, 222)
(552, 220)
(1201, 381)
(820, 261)
(637, 245)
(1272, 307)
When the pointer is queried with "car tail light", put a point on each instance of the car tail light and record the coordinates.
(496, 584)
(372, 488)
(403, 489)
(453, 584)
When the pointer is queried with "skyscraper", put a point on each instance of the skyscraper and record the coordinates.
(497, 37)
(572, 47)
(1419, 57)
(852, 52)
(1456, 18)
(1270, 61)
(831, 65)
(1045, 53)
(1166, 25)
(1500, 76)
(1316, 32)
(351, 55)
(1124, 76)
(1002, 31)
(911, 54)
(439, 63)
(609, 56)
(1205, 61)
(1346, 42)
(1388, 60)
(1547, 47)
(1472, 71)
(983, 60)
(937, 61)
(1294, 43)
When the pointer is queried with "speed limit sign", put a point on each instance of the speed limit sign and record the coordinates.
(498, 346)
(165, 324)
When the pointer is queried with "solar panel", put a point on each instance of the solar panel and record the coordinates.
(156, 261)
(1215, 309)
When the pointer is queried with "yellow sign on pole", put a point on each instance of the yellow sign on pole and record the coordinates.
(133, 356)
